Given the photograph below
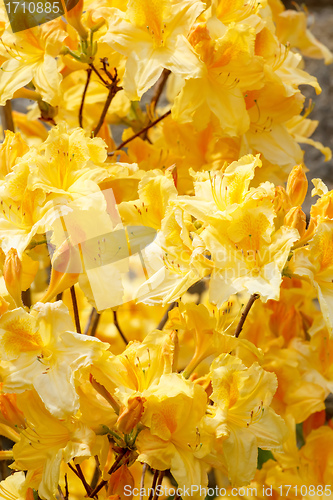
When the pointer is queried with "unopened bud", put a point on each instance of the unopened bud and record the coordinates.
(296, 219)
(12, 273)
(297, 185)
(73, 17)
(131, 414)
(9, 413)
(65, 272)
(118, 480)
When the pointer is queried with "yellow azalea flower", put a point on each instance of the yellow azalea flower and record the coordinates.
(30, 56)
(172, 440)
(231, 68)
(301, 128)
(322, 209)
(269, 108)
(235, 10)
(247, 252)
(12, 488)
(41, 350)
(139, 367)
(172, 263)
(241, 415)
(68, 163)
(291, 28)
(315, 358)
(12, 148)
(297, 395)
(315, 264)
(155, 191)
(52, 440)
(32, 131)
(153, 36)
(222, 191)
(209, 334)
(22, 209)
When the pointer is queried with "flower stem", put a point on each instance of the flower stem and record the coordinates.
(142, 131)
(115, 320)
(89, 71)
(76, 310)
(246, 311)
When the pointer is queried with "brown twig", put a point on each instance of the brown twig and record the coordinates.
(153, 484)
(7, 117)
(142, 131)
(159, 88)
(156, 96)
(92, 323)
(246, 311)
(161, 324)
(113, 89)
(60, 492)
(115, 320)
(76, 310)
(115, 466)
(95, 70)
(96, 475)
(142, 482)
(89, 71)
(83, 479)
(159, 482)
(66, 488)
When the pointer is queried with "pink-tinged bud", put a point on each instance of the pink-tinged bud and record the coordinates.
(73, 16)
(296, 219)
(12, 273)
(131, 414)
(118, 480)
(65, 272)
(297, 185)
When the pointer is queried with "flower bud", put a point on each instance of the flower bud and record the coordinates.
(297, 185)
(131, 414)
(118, 480)
(9, 413)
(296, 219)
(12, 273)
(73, 17)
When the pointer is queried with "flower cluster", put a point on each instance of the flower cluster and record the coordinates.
(158, 298)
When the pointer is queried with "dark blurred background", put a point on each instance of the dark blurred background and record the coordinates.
(321, 25)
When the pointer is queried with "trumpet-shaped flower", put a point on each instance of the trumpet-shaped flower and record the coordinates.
(152, 35)
(242, 415)
(68, 162)
(231, 68)
(40, 350)
(172, 440)
(247, 253)
(30, 56)
(12, 488)
(315, 264)
(52, 441)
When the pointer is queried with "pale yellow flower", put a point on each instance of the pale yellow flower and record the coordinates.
(41, 350)
(153, 36)
(30, 56)
(241, 415)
